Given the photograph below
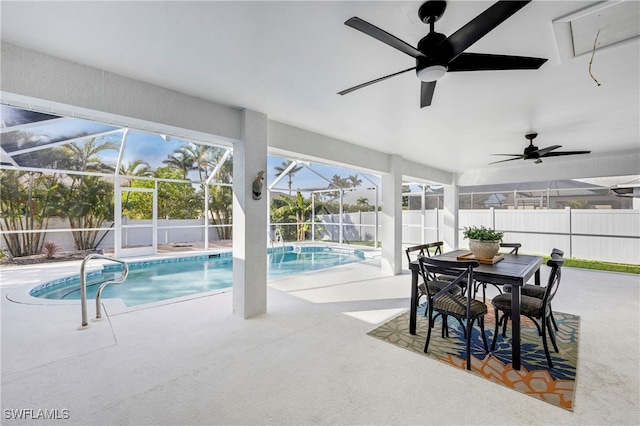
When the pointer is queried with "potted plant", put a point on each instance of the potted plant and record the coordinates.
(483, 242)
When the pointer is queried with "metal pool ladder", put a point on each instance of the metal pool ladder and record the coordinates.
(83, 286)
(277, 237)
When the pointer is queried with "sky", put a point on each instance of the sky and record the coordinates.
(153, 149)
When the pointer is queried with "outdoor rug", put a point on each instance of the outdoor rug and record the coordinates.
(555, 386)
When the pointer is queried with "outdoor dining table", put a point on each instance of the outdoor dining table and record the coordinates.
(514, 270)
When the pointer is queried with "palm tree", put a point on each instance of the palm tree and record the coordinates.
(87, 201)
(84, 156)
(136, 167)
(363, 202)
(354, 181)
(337, 181)
(280, 169)
(183, 159)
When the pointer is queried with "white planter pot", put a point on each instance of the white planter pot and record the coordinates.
(484, 249)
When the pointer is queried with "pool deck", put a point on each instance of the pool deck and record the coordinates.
(307, 361)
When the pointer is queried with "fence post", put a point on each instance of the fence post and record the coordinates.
(313, 217)
(492, 211)
(437, 218)
(567, 211)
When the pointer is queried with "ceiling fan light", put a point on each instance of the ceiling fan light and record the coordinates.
(432, 73)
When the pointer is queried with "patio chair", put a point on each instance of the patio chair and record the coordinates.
(436, 285)
(536, 309)
(433, 249)
(465, 309)
(514, 250)
(533, 290)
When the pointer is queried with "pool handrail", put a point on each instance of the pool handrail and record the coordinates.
(277, 237)
(83, 286)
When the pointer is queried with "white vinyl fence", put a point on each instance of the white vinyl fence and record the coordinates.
(605, 235)
(170, 231)
(359, 226)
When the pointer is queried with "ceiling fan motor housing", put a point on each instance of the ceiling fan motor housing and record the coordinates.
(531, 152)
(425, 45)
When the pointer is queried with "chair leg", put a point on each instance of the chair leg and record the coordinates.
(537, 326)
(495, 332)
(464, 330)
(553, 320)
(469, 326)
(551, 335)
(426, 344)
(545, 344)
(505, 318)
(445, 326)
(484, 338)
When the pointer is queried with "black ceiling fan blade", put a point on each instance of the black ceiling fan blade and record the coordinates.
(488, 62)
(368, 83)
(545, 151)
(426, 93)
(477, 28)
(383, 36)
(561, 153)
(520, 157)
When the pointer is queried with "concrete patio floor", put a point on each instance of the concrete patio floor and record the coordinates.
(308, 361)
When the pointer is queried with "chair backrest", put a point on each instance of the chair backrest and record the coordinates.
(513, 246)
(424, 250)
(456, 271)
(555, 263)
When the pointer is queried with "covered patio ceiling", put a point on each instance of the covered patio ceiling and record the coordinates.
(289, 60)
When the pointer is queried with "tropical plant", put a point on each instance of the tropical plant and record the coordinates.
(182, 159)
(86, 200)
(87, 203)
(339, 182)
(28, 199)
(221, 197)
(50, 249)
(363, 203)
(136, 168)
(481, 233)
(204, 159)
(175, 199)
(280, 169)
(297, 209)
(354, 180)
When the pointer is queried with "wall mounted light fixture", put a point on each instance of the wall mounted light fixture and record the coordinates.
(257, 185)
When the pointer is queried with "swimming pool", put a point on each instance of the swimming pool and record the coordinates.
(157, 280)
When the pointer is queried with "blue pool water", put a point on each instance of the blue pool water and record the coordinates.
(153, 281)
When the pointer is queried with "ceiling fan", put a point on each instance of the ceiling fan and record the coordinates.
(437, 54)
(532, 152)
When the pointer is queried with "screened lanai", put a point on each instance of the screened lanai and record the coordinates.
(90, 184)
(85, 185)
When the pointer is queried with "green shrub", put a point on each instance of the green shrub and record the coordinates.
(482, 233)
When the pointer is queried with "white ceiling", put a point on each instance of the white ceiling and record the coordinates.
(289, 59)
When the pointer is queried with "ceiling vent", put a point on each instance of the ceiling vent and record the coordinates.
(611, 21)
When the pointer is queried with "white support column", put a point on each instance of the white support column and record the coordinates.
(391, 232)
(250, 218)
(450, 219)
